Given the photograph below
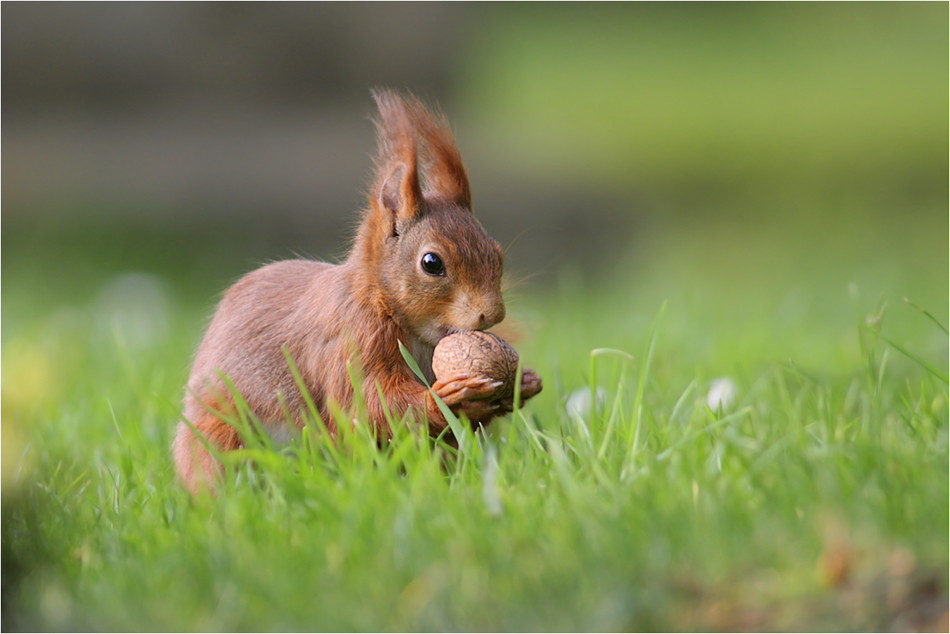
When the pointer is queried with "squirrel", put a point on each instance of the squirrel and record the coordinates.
(420, 267)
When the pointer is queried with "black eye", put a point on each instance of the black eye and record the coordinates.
(433, 265)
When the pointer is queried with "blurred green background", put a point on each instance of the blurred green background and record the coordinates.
(196, 141)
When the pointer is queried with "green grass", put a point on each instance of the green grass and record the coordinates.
(818, 499)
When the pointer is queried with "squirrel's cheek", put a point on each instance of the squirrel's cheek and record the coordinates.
(428, 318)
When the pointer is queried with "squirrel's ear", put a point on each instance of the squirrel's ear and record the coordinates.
(397, 190)
(445, 174)
(401, 195)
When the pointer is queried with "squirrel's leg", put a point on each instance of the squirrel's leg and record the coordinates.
(196, 466)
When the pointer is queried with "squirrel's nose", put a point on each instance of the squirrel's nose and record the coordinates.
(491, 316)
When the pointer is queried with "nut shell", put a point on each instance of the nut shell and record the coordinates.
(477, 352)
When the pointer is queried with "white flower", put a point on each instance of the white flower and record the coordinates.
(491, 489)
(579, 402)
(722, 393)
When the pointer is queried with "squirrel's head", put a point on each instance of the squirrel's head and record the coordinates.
(435, 268)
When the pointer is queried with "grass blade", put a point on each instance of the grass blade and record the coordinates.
(913, 357)
(455, 424)
(638, 401)
(927, 314)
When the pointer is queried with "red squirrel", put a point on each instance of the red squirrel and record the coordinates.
(421, 267)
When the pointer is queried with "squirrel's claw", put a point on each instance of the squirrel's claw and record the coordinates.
(465, 387)
(470, 395)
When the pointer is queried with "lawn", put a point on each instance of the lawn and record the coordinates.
(812, 495)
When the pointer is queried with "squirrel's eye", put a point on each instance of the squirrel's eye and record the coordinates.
(433, 265)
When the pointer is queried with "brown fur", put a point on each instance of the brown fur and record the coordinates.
(328, 316)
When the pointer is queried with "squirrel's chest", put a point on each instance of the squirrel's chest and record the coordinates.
(422, 353)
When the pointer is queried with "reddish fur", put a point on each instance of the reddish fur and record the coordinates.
(196, 466)
(328, 316)
(446, 175)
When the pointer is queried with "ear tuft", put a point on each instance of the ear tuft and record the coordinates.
(445, 174)
(405, 123)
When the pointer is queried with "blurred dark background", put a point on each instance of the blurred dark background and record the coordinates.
(197, 140)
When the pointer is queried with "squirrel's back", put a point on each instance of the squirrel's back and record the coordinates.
(280, 305)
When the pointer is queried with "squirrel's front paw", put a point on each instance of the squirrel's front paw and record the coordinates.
(482, 411)
(530, 384)
(472, 395)
(465, 387)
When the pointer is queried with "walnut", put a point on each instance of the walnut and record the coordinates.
(478, 352)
